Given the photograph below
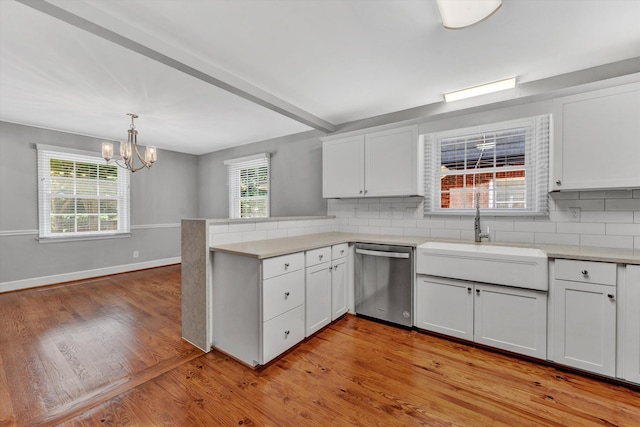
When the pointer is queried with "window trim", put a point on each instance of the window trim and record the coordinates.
(47, 152)
(536, 167)
(234, 167)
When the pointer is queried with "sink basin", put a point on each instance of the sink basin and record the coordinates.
(502, 265)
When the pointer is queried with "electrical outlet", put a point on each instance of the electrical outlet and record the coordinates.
(574, 214)
(136, 254)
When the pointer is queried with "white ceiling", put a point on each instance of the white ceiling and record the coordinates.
(322, 62)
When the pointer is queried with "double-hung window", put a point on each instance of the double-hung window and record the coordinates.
(248, 180)
(80, 195)
(502, 167)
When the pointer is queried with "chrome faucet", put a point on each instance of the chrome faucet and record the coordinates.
(479, 235)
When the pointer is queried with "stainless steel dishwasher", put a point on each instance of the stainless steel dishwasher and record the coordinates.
(384, 283)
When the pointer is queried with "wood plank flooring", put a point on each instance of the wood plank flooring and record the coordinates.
(354, 372)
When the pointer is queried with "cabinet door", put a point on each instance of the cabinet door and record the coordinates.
(631, 325)
(445, 306)
(338, 288)
(585, 326)
(282, 332)
(511, 319)
(393, 163)
(343, 167)
(596, 139)
(318, 300)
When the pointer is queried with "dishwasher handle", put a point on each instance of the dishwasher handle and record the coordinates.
(382, 253)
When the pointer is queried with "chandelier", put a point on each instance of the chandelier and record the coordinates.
(128, 148)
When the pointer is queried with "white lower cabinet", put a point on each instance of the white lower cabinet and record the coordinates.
(318, 299)
(499, 316)
(339, 281)
(282, 332)
(584, 315)
(326, 286)
(511, 319)
(630, 345)
(445, 306)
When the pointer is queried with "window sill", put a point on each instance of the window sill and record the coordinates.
(81, 238)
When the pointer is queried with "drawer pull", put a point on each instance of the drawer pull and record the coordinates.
(286, 333)
(585, 273)
(320, 257)
(331, 268)
(478, 291)
(286, 265)
(335, 266)
(611, 296)
(286, 295)
(341, 251)
(558, 182)
(469, 290)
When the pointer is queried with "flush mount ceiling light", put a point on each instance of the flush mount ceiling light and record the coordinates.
(481, 90)
(128, 148)
(458, 14)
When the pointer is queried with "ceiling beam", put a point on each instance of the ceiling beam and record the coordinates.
(213, 76)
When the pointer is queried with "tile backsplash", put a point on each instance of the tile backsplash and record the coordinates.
(609, 219)
(604, 219)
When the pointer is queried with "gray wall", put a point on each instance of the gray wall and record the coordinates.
(160, 198)
(296, 176)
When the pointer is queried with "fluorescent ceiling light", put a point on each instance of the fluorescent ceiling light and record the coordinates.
(458, 14)
(480, 90)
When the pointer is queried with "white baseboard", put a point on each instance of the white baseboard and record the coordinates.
(86, 274)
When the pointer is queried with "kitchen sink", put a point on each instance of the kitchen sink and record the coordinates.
(502, 265)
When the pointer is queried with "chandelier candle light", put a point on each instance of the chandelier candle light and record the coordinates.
(128, 148)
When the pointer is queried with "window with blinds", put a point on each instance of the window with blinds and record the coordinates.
(503, 167)
(248, 181)
(80, 195)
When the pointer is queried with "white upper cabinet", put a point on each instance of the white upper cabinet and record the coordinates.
(597, 140)
(378, 164)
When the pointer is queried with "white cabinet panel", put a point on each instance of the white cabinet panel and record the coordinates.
(445, 306)
(339, 288)
(276, 266)
(585, 326)
(393, 164)
(318, 297)
(343, 167)
(596, 138)
(631, 325)
(511, 319)
(377, 164)
(282, 293)
(499, 316)
(318, 256)
(282, 333)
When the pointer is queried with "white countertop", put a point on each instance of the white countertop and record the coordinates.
(276, 247)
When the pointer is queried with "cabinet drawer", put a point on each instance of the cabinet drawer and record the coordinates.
(317, 256)
(272, 267)
(282, 293)
(603, 273)
(339, 251)
(282, 333)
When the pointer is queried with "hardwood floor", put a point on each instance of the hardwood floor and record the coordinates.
(109, 353)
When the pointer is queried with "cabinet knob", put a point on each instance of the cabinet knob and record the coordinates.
(286, 294)
(331, 268)
(341, 251)
(477, 291)
(366, 191)
(335, 266)
(610, 296)
(559, 182)
(286, 265)
(585, 272)
(361, 191)
(286, 333)
(320, 256)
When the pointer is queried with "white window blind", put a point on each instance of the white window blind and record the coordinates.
(80, 195)
(248, 181)
(502, 166)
